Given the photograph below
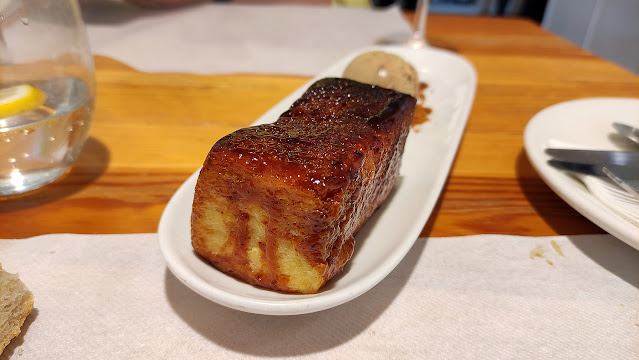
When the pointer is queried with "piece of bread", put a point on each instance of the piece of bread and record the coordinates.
(278, 205)
(16, 303)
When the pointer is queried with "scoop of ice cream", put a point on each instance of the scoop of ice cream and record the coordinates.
(385, 70)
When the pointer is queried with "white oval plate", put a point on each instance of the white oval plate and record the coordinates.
(587, 122)
(386, 237)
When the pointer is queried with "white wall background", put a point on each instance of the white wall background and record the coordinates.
(607, 28)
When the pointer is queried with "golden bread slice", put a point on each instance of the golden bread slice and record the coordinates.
(16, 303)
(278, 205)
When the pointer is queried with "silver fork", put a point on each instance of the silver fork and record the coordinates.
(629, 185)
(627, 131)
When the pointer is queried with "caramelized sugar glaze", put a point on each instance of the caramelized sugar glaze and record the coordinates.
(277, 205)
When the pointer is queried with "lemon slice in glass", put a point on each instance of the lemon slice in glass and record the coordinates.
(20, 98)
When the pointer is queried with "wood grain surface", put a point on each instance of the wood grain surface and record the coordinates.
(151, 131)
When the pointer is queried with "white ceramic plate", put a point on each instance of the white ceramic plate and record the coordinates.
(386, 237)
(587, 122)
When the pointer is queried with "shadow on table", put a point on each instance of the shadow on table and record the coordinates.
(17, 341)
(262, 335)
(612, 254)
(555, 212)
(90, 165)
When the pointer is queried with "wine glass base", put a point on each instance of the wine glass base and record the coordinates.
(417, 43)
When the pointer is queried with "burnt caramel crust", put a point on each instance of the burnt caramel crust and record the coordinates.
(333, 156)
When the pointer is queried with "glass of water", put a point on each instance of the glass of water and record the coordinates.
(47, 91)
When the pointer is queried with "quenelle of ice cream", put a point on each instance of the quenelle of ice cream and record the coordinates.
(386, 70)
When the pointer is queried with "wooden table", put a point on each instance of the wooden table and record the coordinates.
(151, 131)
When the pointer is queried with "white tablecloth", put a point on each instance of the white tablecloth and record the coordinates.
(475, 297)
(228, 38)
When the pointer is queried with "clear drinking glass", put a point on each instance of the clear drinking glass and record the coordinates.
(43, 125)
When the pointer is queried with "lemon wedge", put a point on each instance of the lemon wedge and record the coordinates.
(20, 98)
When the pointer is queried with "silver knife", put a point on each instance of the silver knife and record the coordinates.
(625, 158)
(626, 172)
(627, 177)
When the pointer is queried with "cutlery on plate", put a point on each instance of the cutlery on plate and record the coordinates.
(630, 132)
(626, 177)
(630, 185)
(625, 158)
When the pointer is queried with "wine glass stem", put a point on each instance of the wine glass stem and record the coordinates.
(419, 33)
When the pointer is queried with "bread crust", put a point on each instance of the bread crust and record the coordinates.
(16, 303)
(278, 205)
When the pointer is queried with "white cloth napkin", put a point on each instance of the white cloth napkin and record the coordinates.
(227, 38)
(475, 297)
